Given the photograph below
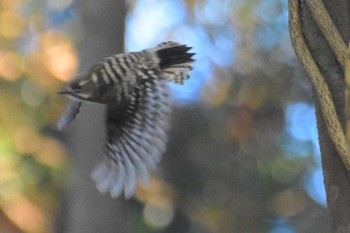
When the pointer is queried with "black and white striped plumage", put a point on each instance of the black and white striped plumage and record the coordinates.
(134, 87)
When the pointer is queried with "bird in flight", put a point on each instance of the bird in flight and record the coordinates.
(134, 86)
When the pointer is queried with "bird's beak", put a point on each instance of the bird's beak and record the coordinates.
(64, 92)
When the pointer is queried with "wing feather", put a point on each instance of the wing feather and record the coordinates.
(136, 138)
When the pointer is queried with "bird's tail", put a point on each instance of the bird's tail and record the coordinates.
(175, 61)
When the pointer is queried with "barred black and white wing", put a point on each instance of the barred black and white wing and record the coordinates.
(136, 138)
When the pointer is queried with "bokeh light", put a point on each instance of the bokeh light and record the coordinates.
(282, 226)
(158, 212)
(59, 56)
(34, 60)
(314, 186)
(11, 24)
(11, 66)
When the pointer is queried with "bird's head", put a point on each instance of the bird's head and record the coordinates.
(79, 89)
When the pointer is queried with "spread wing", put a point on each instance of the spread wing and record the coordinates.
(136, 138)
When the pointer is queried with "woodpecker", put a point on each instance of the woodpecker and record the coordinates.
(134, 88)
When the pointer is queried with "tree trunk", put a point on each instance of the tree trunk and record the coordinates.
(336, 177)
(87, 210)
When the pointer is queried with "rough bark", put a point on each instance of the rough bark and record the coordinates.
(336, 177)
(88, 210)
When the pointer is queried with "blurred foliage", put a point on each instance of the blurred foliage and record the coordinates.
(35, 57)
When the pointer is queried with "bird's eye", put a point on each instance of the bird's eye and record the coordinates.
(76, 88)
(78, 85)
